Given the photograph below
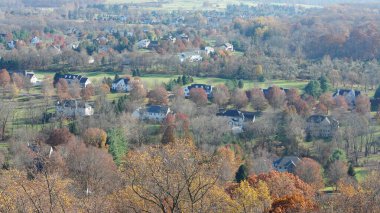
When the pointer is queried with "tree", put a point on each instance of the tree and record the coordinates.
(18, 80)
(87, 92)
(118, 145)
(362, 104)
(324, 83)
(173, 178)
(336, 172)
(239, 99)
(313, 88)
(310, 171)
(59, 136)
(252, 199)
(377, 93)
(138, 91)
(221, 95)
(5, 78)
(242, 173)
(95, 137)
(258, 100)
(276, 97)
(340, 102)
(7, 110)
(158, 96)
(240, 84)
(63, 89)
(198, 96)
(351, 171)
(327, 100)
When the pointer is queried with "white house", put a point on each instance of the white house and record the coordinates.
(143, 44)
(72, 108)
(228, 47)
(35, 40)
(121, 85)
(209, 50)
(195, 58)
(153, 113)
(207, 89)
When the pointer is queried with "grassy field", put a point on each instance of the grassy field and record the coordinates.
(150, 80)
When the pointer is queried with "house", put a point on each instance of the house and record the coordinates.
(286, 164)
(70, 78)
(228, 47)
(11, 44)
(121, 85)
(143, 44)
(153, 45)
(236, 117)
(207, 89)
(321, 126)
(27, 74)
(209, 50)
(73, 108)
(349, 94)
(195, 58)
(35, 40)
(152, 113)
(184, 37)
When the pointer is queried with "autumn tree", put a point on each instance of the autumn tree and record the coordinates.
(258, 100)
(5, 78)
(239, 99)
(63, 89)
(276, 97)
(138, 91)
(336, 172)
(158, 96)
(327, 100)
(87, 92)
(18, 80)
(198, 96)
(310, 171)
(362, 104)
(252, 199)
(221, 95)
(59, 136)
(95, 137)
(165, 179)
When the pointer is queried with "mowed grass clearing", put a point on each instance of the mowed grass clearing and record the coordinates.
(151, 80)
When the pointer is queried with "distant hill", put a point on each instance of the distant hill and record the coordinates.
(317, 2)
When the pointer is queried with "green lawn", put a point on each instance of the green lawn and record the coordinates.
(360, 173)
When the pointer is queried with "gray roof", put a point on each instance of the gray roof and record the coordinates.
(284, 162)
(157, 109)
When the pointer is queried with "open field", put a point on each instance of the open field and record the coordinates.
(150, 80)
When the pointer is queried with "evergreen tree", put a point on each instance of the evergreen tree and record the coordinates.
(242, 173)
(117, 144)
(324, 83)
(240, 84)
(116, 77)
(351, 171)
(313, 88)
(377, 93)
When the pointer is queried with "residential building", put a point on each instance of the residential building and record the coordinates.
(209, 50)
(286, 164)
(321, 126)
(349, 94)
(228, 47)
(27, 74)
(143, 44)
(207, 89)
(73, 108)
(121, 85)
(35, 40)
(152, 113)
(70, 78)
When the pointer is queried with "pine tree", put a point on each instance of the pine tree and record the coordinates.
(324, 83)
(351, 171)
(240, 84)
(242, 173)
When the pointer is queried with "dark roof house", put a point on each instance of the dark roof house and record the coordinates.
(286, 164)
